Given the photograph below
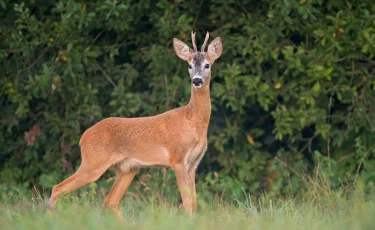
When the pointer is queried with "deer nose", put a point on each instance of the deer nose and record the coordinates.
(197, 81)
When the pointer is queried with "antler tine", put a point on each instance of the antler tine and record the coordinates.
(205, 42)
(193, 41)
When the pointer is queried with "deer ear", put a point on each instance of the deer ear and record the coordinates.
(215, 48)
(182, 50)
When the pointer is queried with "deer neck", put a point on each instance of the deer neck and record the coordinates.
(199, 107)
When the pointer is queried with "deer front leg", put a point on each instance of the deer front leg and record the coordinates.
(193, 189)
(184, 185)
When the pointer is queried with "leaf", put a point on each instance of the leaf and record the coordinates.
(250, 139)
(63, 58)
(316, 88)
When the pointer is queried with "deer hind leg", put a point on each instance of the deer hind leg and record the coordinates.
(121, 184)
(91, 169)
(185, 186)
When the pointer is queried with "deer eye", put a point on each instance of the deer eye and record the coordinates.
(207, 66)
(190, 67)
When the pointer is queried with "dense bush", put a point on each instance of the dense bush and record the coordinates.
(292, 94)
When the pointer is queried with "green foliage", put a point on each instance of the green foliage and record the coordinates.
(292, 93)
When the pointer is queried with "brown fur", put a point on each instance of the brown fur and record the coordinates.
(176, 138)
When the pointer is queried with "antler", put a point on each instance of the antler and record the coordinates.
(193, 41)
(205, 42)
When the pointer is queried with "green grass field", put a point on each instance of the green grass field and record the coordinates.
(329, 211)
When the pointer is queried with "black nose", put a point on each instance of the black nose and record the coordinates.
(197, 81)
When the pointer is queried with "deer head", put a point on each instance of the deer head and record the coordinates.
(199, 63)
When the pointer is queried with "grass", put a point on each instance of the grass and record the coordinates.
(85, 212)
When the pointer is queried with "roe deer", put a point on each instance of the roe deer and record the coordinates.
(176, 138)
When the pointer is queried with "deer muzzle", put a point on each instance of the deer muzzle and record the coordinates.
(197, 81)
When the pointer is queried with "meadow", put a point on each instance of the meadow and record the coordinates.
(333, 210)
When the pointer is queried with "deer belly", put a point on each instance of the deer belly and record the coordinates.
(127, 165)
(157, 157)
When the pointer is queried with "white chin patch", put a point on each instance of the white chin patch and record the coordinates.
(198, 86)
